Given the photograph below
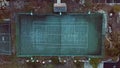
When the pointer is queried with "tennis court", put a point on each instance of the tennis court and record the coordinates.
(55, 35)
(5, 38)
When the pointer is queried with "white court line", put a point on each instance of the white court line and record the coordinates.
(62, 46)
(87, 34)
(60, 25)
(54, 44)
(59, 47)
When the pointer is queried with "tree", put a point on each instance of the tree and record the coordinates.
(79, 64)
(116, 8)
(94, 62)
(88, 4)
(55, 60)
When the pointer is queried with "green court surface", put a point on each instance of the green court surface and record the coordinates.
(60, 35)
